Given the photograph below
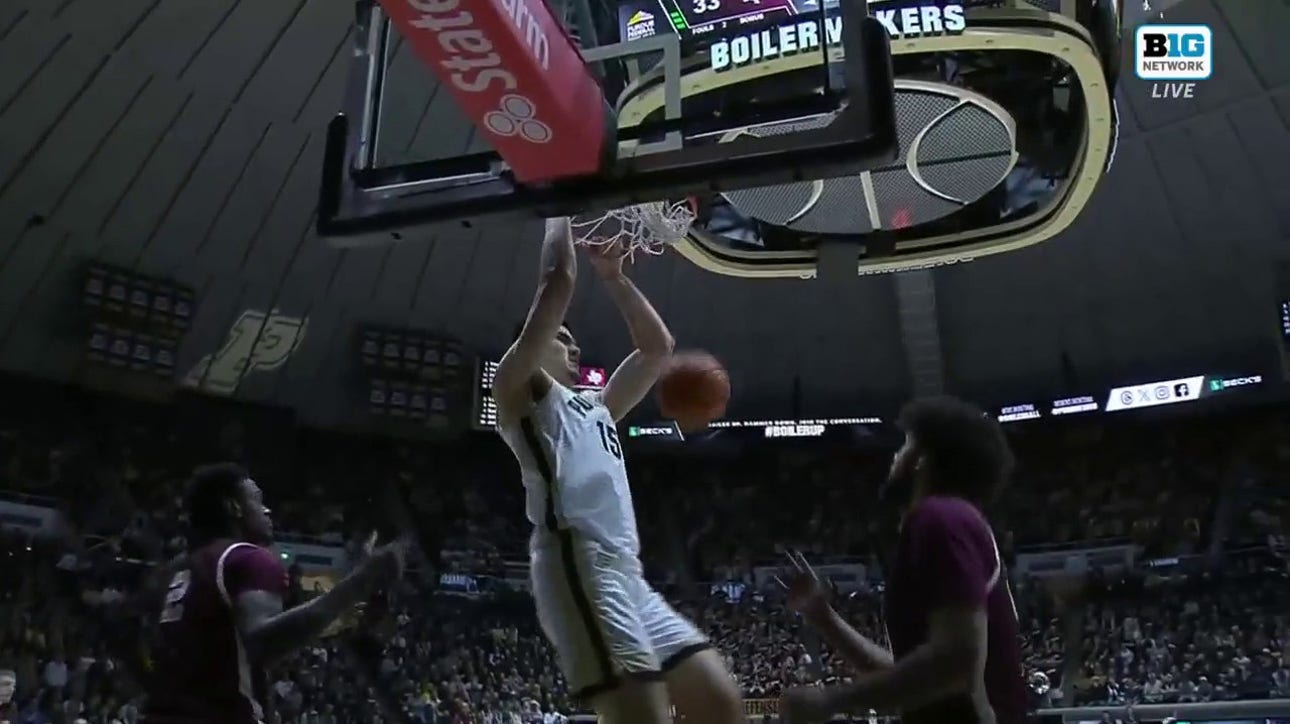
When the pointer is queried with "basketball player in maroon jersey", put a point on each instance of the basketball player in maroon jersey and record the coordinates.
(223, 616)
(955, 657)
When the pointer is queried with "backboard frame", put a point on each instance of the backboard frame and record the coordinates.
(358, 199)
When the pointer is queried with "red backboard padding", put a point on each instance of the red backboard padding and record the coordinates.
(517, 75)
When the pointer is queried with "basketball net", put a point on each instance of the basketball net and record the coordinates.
(648, 228)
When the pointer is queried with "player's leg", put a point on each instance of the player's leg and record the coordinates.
(698, 683)
(633, 702)
(703, 690)
(586, 608)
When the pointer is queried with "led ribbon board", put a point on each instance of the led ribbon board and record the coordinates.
(803, 34)
(1128, 397)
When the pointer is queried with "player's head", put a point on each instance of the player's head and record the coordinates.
(560, 357)
(8, 682)
(223, 501)
(951, 448)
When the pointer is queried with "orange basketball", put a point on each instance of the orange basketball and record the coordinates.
(694, 389)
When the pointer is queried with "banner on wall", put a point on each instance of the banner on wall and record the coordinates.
(42, 521)
(1075, 562)
(313, 558)
(846, 577)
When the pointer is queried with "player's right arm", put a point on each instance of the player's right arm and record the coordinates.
(558, 272)
(856, 649)
(808, 596)
(269, 632)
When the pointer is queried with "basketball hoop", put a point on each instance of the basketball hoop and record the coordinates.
(648, 227)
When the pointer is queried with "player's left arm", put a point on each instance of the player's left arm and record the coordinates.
(959, 572)
(949, 662)
(257, 585)
(634, 377)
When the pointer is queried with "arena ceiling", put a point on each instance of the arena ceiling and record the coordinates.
(184, 140)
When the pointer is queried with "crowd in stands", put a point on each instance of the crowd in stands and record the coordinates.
(115, 470)
(1212, 636)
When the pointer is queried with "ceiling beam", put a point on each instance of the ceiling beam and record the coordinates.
(920, 331)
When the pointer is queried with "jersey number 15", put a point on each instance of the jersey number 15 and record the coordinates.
(609, 440)
(608, 435)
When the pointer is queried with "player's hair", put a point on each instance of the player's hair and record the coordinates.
(966, 449)
(206, 498)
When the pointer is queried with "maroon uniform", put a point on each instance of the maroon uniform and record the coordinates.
(201, 671)
(947, 556)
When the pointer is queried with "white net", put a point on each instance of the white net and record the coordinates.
(647, 228)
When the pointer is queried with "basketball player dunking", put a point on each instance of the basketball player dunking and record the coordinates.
(622, 648)
(223, 618)
(955, 657)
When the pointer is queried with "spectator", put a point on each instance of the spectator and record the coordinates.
(475, 653)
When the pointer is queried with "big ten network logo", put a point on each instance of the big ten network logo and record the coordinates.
(1173, 58)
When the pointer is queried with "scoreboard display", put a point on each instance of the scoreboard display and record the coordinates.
(485, 405)
(639, 19)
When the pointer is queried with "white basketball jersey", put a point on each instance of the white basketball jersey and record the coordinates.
(573, 470)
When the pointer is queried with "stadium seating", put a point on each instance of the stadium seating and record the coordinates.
(1201, 616)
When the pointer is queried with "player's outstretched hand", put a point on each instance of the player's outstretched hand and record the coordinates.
(397, 553)
(391, 557)
(607, 259)
(369, 545)
(805, 705)
(807, 594)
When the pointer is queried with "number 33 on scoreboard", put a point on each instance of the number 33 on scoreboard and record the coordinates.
(706, 6)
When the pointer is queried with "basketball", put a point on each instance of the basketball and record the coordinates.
(694, 389)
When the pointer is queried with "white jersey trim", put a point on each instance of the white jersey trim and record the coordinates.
(545, 469)
(219, 571)
(244, 686)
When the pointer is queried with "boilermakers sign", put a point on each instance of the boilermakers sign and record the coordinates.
(804, 35)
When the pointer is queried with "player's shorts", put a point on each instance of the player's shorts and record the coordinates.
(605, 621)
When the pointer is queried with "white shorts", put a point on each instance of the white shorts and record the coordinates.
(604, 620)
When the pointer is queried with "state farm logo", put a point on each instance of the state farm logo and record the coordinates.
(469, 54)
(517, 116)
(475, 66)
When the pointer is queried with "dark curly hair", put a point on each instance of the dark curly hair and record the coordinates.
(965, 448)
(206, 498)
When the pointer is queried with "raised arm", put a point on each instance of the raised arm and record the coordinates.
(959, 573)
(856, 649)
(808, 596)
(270, 632)
(634, 377)
(557, 275)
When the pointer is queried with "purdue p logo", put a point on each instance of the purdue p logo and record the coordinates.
(256, 342)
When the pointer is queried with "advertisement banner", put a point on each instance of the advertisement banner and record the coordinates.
(313, 558)
(1075, 562)
(37, 520)
(846, 577)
